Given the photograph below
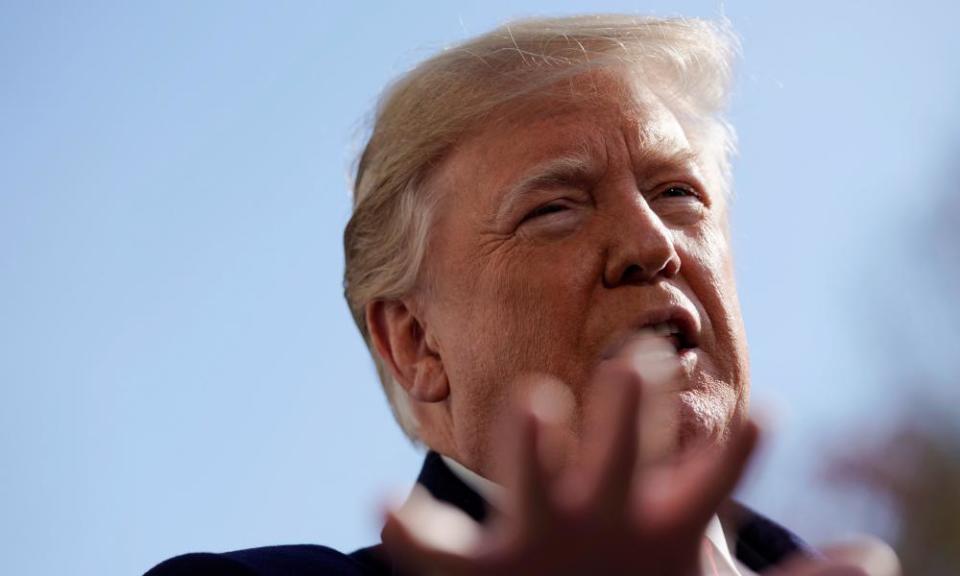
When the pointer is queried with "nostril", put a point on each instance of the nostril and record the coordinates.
(632, 274)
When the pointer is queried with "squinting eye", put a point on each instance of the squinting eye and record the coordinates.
(677, 192)
(545, 210)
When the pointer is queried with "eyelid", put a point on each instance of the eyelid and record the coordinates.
(685, 187)
(694, 189)
(536, 212)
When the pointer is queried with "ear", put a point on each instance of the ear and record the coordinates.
(402, 342)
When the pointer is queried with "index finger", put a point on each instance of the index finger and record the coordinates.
(704, 481)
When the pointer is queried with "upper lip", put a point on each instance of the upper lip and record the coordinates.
(684, 319)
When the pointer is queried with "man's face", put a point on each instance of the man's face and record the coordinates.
(559, 234)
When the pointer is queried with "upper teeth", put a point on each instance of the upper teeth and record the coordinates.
(665, 329)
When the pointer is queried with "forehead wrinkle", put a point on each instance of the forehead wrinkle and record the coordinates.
(651, 148)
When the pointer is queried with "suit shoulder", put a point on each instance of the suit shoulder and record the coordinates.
(306, 559)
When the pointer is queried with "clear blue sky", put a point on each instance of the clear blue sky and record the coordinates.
(178, 370)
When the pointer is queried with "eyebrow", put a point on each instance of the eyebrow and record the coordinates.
(574, 167)
(558, 170)
(654, 159)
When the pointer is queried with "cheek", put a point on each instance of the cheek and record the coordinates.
(710, 273)
(708, 269)
(525, 308)
(543, 296)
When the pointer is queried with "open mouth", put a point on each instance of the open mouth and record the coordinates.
(675, 333)
(676, 325)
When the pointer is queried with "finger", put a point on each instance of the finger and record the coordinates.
(806, 566)
(553, 404)
(633, 422)
(655, 360)
(618, 441)
(426, 536)
(706, 480)
(531, 489)
(876, 557)
(533, 444)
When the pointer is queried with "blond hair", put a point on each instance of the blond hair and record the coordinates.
(685, 62)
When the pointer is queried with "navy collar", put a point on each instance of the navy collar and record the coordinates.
(760, 542)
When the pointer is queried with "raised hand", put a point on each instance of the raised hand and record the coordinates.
(610, 512)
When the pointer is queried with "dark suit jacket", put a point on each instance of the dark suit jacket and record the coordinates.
(760, 543)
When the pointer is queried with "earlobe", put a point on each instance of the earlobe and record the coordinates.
(407, 349)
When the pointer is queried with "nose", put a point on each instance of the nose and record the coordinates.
(641, 248)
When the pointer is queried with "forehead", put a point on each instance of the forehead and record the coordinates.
(582, 121)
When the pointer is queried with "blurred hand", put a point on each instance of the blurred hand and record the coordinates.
(611, 513)
(863, 557)
(622, 508)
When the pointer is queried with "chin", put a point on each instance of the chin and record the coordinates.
(702, 418)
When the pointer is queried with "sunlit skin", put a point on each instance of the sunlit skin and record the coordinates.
(544, 279)
(563, 231)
